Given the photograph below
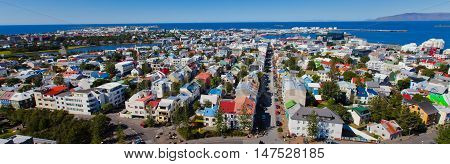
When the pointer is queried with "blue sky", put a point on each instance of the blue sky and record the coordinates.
(173, 11)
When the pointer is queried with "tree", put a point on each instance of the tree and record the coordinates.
(311, 66)
(443, 136)
(146, 69)
(25, 88)
(330, 90)
(229, 87)
(316, 78)
(110, 68)
(364, 59)
(150, 121)
(348, 75)
(216, 81)
(12, 81)
(99, 82)
(108, 107)
(378, 109)
(208, 104)
(403, 84)
(313, 125)
(175, 89)
(411, 122)
(37, 81)
(340, 110)
(419, 98)
(428, 72)
(99, 128)
(220, 126)
(120, 135)
(58, 80)
(196, 105)
(245, 119)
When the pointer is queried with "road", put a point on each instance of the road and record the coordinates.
(265, 118)
(424, 138)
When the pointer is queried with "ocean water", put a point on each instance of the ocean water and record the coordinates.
(418, 32)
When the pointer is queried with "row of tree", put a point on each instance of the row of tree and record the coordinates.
(60, 126)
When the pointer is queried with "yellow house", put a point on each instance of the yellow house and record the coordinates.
(428, 113)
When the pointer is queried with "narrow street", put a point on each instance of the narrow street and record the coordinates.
(265, 117)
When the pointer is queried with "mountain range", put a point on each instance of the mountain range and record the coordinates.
(417, 17)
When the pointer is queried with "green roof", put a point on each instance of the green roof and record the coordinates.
(360, 110)
(438, 99)
(290, 104)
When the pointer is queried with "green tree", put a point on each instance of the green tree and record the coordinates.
(403, 84)
(313, 125)
(99, 82)
(175, 89)
(311, 66)
(110, 68)
(348, 75)
(99, 128)
(106, 108)
(58, 80)
(229, 87)
(340, 110)
(220, 126)
(196, 105)
(330, 90)
(419, 98)
(316, 78)
(25, 88)
(150, 121)
(12, 81)
(411, 122)
(245, 119)
(120, 135)
(443, 136)
(378, 109)
(364, 59)
(428, 72)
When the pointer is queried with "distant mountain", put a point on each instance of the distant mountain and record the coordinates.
(417, 17)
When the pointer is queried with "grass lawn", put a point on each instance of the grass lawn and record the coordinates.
(75, 47)
(5, 52)
(8, 134)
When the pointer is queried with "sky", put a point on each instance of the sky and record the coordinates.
(18, 12)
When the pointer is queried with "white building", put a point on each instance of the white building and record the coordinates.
(124, 67)
(114, 93)
(387, 130)
(330, 124)
(164, 111)
(293, 89)
(137, 104)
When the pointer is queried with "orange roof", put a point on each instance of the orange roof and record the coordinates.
(244, 102)
(203, 76)
(56, 90)
(389, 127)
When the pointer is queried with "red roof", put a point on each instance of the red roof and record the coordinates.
(227, 106)
(407, 97)
(146, 98)
(153, 103)
(56, 90)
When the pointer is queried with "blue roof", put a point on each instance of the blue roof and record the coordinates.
(98, 75)
(191, 86)
(371, 91)
(215, 91)
(361, 92)
(209, 112)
